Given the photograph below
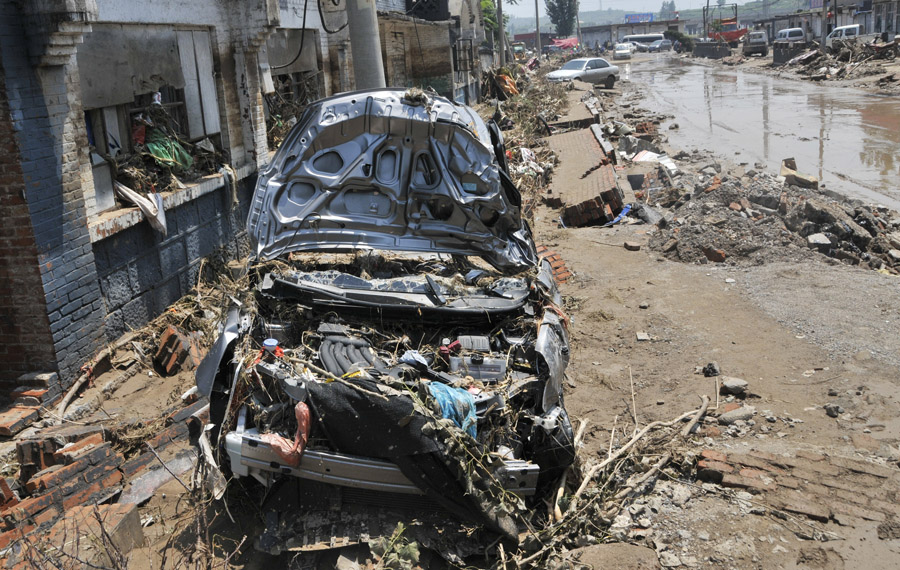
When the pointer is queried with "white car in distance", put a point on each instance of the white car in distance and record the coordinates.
(622, 51)
(591, 70)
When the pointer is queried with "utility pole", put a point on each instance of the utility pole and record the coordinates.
(578, 21)
(365, 44)
(502, 41)
(537, 30)
(824, 27)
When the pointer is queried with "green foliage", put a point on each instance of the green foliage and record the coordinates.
(686, 41)
(562, 14)
(489, 16)
(667, 10)
(395, 552)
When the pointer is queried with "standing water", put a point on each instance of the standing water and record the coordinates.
(848, 138)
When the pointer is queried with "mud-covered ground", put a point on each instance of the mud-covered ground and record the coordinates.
(802, 328)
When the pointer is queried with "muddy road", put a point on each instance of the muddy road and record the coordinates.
(848, 138)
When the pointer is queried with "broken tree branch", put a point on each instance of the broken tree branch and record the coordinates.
(597, 468)
(704, 405)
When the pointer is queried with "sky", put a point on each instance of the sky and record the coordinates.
(525, 8)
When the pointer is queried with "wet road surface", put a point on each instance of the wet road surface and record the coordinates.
(848, 138)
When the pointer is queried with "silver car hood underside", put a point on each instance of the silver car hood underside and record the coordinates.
(372, 170)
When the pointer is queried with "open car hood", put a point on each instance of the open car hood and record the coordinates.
(391, 170)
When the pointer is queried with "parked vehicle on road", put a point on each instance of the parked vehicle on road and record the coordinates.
(790, 35)
(590, 69)
(642, 41)
(622, 51)
(852, 33)
(756, 42)
(660, 45)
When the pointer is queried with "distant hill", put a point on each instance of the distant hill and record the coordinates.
(754, 10)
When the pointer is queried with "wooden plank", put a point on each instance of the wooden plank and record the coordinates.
(191, 85)
(203, 54)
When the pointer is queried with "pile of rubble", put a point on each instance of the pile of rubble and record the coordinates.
(847, 61)
(711, 216)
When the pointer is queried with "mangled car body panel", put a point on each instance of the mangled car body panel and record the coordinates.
(377, 170)
(408, 369)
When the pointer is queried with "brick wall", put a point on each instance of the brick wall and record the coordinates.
(25, 341)
(425, 48)
(141, 273)
(49, 130)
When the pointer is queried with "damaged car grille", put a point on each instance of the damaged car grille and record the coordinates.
(408, 355)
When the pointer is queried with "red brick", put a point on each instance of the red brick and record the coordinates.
(7, 497)
(786, 481)
(15, 534)
(730, 406)
(137, 464)
(56, 475)
(177, 351)
(712, 470)
(749, 483)
(168, 435)
(751, 461)
(746, 472)
(17, 418)
(856, 511)
(69, 453)
(48, 515)
(97, 491)
(801, 504)
(713, 455)
(861, 466)
(30, 507)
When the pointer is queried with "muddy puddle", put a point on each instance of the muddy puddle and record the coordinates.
(848, 138)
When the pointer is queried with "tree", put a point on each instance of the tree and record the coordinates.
(667, 10)
(489, 19)
(562, 14)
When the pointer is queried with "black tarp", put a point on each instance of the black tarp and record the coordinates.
(359, 422)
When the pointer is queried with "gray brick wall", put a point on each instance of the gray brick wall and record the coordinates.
(141, 273)
(46, 118)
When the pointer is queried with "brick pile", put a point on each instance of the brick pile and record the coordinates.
(561, 273)
(34, 391)
(820, 487)
(65, 467)
(177, 351)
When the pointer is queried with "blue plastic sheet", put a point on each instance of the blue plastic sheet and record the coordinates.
(457, 405)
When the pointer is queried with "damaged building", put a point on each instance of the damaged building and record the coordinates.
(106, 104)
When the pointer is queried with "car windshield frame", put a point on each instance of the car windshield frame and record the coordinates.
(578, 65)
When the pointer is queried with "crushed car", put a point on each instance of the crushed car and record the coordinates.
(403, 348)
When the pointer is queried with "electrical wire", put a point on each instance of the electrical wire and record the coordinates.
(302, 39)
(322, 18)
